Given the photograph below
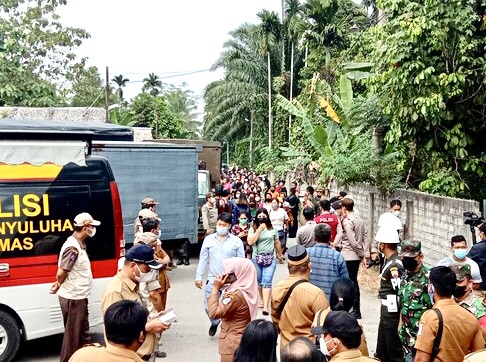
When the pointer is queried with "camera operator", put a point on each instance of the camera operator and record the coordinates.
(478, 253)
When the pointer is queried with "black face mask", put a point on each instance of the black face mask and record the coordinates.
(459, 291)
(410, 264)
(268, 200)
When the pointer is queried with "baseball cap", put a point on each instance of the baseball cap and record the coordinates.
(462, 271)
(410, 248)
(149, 201)
(336, 205)
(85, 219)
(339, 324)
(143, 254)
(147, 214)
(387, 235)
(297, 255)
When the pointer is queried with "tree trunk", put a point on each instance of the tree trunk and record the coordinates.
(270, 121)
(291, 82)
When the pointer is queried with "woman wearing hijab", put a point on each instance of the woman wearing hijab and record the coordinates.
(238, 304)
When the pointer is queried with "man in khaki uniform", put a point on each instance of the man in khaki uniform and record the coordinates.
(125, 331)
(139, 262)
(461, 333)
(340, 337)
(294, 317)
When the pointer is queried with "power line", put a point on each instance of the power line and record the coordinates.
(171, 76)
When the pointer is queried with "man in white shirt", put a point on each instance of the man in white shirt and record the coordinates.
(459, 251)
(305, 234)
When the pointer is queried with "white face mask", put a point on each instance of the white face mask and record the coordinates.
(396, 213)
(91, 232)
(323, 346)
(144, 277)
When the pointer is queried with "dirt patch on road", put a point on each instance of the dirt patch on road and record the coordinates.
(369, 278)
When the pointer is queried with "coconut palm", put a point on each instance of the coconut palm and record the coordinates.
(121, 81)
(152, 84)
(270, 35)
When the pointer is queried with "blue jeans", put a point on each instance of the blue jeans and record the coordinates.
(207, 292)
(265, 275)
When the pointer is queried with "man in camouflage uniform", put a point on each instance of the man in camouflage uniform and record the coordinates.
(389, 346)
(413, 295)
(464, 295)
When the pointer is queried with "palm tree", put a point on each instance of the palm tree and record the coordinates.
(152, 84)
(270, 35)
(121, 82)
(292, 24)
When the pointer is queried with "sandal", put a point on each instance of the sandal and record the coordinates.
(265, 312)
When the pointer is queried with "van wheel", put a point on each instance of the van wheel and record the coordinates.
(9, 337)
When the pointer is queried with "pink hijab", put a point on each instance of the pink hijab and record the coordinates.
(246, 281)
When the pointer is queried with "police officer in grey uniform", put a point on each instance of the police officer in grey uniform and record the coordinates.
(388, 346)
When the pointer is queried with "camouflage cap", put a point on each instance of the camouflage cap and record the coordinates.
(410, 248)
(462, 271)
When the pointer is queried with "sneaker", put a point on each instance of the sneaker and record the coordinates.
(212, 329)
(180, 262)
(186, 262)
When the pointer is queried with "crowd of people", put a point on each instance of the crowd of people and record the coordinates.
(436, 314)
(316, 309)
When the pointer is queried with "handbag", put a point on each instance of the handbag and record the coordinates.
(264, 259)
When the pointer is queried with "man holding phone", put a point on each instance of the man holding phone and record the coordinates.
(216, 247)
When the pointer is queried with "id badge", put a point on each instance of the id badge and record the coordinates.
(392, 303)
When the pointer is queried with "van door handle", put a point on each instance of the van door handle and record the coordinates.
(4, 270)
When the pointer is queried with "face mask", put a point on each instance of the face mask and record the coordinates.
(268, 200)
(459, 291)
(262, 220)
(144, 277)
(221, 230)
(396, 213)
(460, 253)
(237, 196)
(275, 207)
(243, 221)
(159, 234)
(257, 199)
(91, 232)
(431, 291)
(212, 200)
(410, 264)
(323, 347)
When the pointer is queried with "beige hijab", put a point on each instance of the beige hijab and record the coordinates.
(246, 281)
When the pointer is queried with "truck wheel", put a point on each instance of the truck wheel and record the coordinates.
(9, 337)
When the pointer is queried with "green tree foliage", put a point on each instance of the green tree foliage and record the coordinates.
(151, 111)
(87, 87)
(38, 52)
(431, 68)
(152, 84)
(182, 103)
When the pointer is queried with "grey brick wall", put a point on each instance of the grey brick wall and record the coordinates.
(428, 218)
(79, 114)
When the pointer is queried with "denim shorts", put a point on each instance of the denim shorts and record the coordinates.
(265, 275)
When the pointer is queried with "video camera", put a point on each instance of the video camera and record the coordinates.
(473, 220)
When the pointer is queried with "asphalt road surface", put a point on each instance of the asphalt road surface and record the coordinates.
(188, 339)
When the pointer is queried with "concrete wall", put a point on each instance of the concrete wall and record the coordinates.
(428, 218)
(80, 114)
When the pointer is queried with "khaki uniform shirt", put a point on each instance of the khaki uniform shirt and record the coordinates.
(352, 355)
(120, 287)
(352, 238)
(110, 353)
(479, 356)
(299, 312)
(235, 316)
(209, 217)
(461, 333)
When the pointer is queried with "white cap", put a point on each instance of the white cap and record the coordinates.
(147, 214)
(387, 235)
(85, 219)
(389, 220)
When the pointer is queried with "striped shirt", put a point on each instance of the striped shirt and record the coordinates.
(327, 266)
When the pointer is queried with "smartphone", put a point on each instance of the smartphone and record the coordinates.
(231, 278)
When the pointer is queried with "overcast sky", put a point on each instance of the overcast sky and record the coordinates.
(135, 38)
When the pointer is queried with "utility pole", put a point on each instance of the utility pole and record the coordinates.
(107, 96)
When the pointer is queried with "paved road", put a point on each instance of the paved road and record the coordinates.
(187, 339)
